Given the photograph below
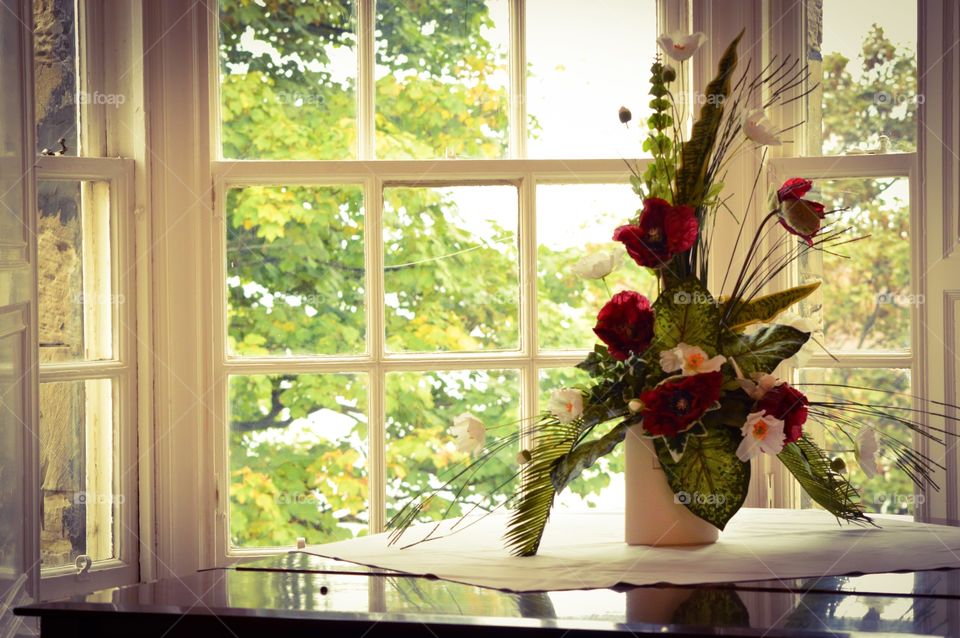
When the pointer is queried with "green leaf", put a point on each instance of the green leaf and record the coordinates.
(695, 156)
(586, 454)
(766, 308)
(763, 350)
(710, 473)
(686, 312)
(677, 444)
(830, 490)
(712, 607)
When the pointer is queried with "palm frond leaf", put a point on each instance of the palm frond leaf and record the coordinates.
(830, 490)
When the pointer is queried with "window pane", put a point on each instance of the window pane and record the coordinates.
(869, 77)
(451, 269)
(891, 490)
(585, 61)
(288, 74)
(866, 305)
(441, 79)
(421, 454)
(75, 297)
(298, 458)
(77, 472)
(602, 485)
(55, 75)
(295, 270)
(575, 220)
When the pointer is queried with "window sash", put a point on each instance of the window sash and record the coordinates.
(121, 370)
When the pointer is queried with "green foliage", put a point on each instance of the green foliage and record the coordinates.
(696, 153)
(686, 312)
(765, 308)
(713, 479)
(830, 490)
(763, 350)
(657, 179)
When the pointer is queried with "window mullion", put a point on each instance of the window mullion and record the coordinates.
(366, 80)
(518, 80)
(376, 344)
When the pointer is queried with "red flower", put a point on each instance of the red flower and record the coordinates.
(663, 231)
(799, 216)
(625, 324)
(674, 406)
(789, 405)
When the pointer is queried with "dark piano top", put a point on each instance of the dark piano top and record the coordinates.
(300, 594)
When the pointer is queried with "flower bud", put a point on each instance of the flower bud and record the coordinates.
(838, 466)
(625, 115)
(669, 74)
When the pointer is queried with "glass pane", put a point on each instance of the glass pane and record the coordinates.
(602, 485)
(451, 269)
(74, 281)
(585, 61)
(288, 75)
(441, 79)
(421, 451)
(890, 491)
(77, 476)
(295, 270)
(867, 302)
(869, 77)
(298, 458)
(12, 434)
(573, 221)
(55, 76)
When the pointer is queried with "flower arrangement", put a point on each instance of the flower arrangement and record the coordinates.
(691, 370)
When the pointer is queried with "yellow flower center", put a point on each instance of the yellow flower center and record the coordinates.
(568, 407)
(695, 360)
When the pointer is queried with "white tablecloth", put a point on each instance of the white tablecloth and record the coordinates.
(585, 551)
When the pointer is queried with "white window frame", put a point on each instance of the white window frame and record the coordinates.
(786, 35)
(109, 52)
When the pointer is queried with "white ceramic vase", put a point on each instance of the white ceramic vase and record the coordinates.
(653, 514)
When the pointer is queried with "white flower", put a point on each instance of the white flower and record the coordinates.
(759, 386)
(680, 46)
(566, 405)
(759, 129)
(761, 433)
(597, 265)
(690, 359)
(469, 433)
(867, 447)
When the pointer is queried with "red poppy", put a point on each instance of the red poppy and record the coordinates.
(799, 216)
(662, 232)
(625, 324)
(789, 405)
(674, 406)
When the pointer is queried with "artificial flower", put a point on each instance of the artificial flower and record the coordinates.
(625, 115)
(597, 265)
(803, 324)
(625, 324)
(789, 405)
(799, 216)
(759, 129)
(566, 405)
(759, 385)
(689, 360)
(524, 457)
(675, 405)
(761, 433)
(634, 405)
(662, 232)
(469, 433)
(680, 46)
(867, 448)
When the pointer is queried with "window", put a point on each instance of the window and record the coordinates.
(371, 294)
(87, 314)
(858, 145)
